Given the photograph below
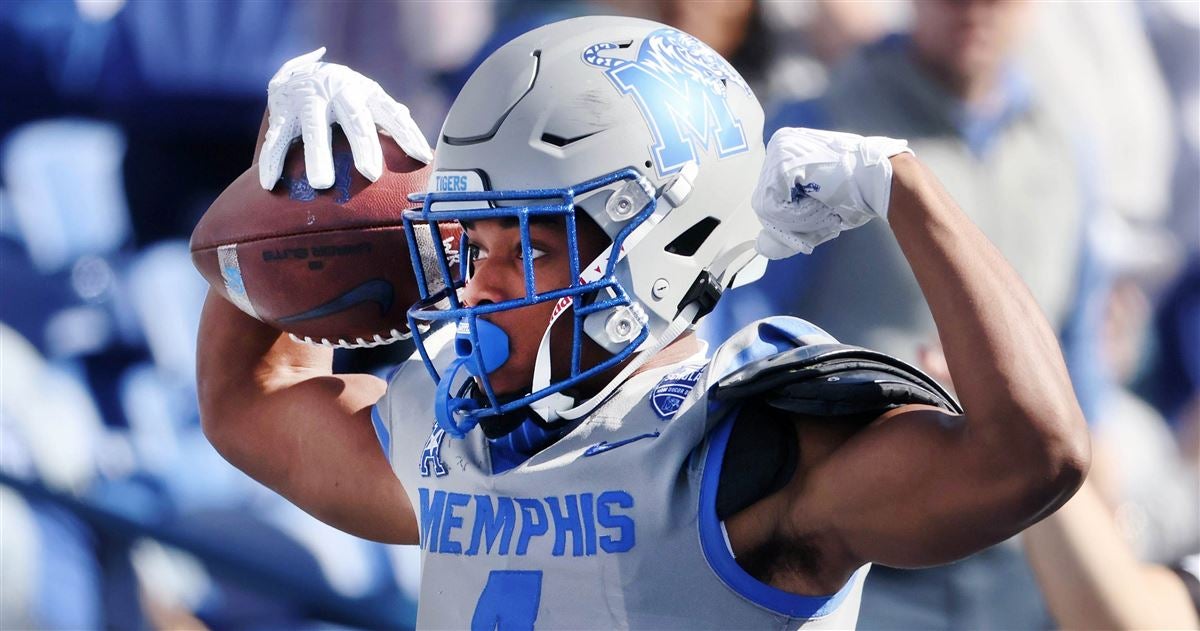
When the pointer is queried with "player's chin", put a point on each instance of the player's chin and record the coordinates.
(509, 382)
(515, 376)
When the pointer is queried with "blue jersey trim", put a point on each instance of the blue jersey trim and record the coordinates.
(721, 560)
(381, 432)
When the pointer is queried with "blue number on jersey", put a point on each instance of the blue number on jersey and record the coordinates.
(509, 601)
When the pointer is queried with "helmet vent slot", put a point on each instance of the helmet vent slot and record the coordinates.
(559, 141)
(691, 239)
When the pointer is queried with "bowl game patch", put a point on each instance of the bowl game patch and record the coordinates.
(669, 394)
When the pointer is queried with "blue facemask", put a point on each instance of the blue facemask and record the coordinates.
(482, 347)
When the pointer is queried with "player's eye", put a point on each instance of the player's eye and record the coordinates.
(535, 253)
(474, 254)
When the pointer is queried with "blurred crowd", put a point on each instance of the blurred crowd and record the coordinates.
(1069, 132)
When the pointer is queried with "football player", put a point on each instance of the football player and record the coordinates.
(564, 450)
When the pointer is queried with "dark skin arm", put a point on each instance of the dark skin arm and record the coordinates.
(274, 409)
(920, 486)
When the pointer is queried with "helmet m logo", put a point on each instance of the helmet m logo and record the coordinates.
(680, 85)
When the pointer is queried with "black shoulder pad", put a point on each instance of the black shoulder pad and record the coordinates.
(834, 380)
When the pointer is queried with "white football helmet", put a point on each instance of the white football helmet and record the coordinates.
(647, 130)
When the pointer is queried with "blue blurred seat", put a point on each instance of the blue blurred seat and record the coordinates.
(166, 294)
(50, 435)
(63, 178)
(64, 205)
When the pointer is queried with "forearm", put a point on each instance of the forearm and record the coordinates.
(1091, 579)
(1002, 353)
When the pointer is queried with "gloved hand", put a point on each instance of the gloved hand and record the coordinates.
(307, 95)
(815, 184)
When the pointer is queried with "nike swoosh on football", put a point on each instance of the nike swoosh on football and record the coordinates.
(377, 291)
(604, 445)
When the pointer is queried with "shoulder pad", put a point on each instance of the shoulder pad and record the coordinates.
(834, 380)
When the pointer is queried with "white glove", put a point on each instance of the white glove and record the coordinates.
(815, 184)
(306, 96)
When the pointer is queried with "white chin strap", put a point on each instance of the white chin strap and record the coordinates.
(560, 406)
(548, 407)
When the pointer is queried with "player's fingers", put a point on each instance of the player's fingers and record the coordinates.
(275, 145)
(318, 154)
(359, 126)
(394, 119)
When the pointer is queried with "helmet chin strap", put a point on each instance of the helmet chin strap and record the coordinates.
(548, 406)
(560, 406)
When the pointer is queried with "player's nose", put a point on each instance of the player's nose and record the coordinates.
(489, 283)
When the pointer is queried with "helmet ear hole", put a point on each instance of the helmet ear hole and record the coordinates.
(690, 240)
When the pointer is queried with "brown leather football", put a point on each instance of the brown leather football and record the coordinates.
(329, 266)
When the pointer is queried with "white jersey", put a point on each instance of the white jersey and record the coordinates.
(613, 526)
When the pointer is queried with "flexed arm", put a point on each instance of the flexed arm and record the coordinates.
(1022, 449)
(921, 486)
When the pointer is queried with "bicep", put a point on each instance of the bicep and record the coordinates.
(915, 489)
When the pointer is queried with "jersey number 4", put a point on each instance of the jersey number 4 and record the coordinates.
(509, 601)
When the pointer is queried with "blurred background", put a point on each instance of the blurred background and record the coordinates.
(1068, 131)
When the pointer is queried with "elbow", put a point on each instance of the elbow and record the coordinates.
(1059, 466)
(227, 433)
(215, 418)
(211, 423)
(207, 397)
(1070, 450)
(1067, 467)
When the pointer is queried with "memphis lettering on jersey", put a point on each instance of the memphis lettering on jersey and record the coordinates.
(582, 524)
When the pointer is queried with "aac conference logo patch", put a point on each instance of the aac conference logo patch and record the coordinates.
(668, 396)
(431, 455)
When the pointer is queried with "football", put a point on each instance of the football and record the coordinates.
(330, 267)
